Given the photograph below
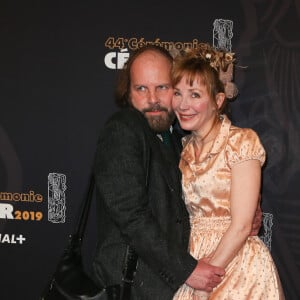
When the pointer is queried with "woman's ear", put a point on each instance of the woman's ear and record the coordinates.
(220, 98)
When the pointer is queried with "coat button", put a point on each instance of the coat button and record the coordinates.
(178, 221)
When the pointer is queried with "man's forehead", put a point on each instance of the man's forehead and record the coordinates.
(152, 55)
(151, 63)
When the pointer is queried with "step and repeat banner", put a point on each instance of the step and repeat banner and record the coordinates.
(58, 68)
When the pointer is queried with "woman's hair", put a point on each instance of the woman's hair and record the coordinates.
(122, 93)
(214, 68)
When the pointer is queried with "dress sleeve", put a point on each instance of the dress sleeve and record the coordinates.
(244, 144)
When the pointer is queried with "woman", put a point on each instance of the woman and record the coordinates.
(221, 175)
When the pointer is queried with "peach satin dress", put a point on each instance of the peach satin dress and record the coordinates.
(206, 187)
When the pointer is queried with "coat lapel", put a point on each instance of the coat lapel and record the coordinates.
(168, 162)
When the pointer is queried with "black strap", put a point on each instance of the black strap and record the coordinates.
(80, 229)
(130, 262)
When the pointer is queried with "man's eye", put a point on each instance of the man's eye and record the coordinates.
(141, 88)
(163, 87)
(176, 93)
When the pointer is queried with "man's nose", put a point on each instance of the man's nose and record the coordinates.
(153, 96)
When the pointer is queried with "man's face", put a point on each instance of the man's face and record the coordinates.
(151, 89)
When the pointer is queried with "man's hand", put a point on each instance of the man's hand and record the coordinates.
(205, 276)
(257, 221)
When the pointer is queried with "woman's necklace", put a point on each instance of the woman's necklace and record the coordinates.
(204, 146)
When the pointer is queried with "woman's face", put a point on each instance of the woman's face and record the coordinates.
(193, 106)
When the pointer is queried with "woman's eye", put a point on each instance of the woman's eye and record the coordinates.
(195, 95)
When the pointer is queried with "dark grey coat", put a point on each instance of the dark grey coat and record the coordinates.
(139, 202)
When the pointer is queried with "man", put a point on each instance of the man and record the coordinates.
(139, 200)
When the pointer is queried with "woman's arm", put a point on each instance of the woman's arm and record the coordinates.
(245, 188)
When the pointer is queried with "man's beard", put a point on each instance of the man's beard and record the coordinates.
(162, 122)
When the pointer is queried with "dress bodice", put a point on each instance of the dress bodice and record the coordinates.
(206, 183)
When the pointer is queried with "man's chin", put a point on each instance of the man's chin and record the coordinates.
(160, 122)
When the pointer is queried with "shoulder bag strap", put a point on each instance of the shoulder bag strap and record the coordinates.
(86, 204)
